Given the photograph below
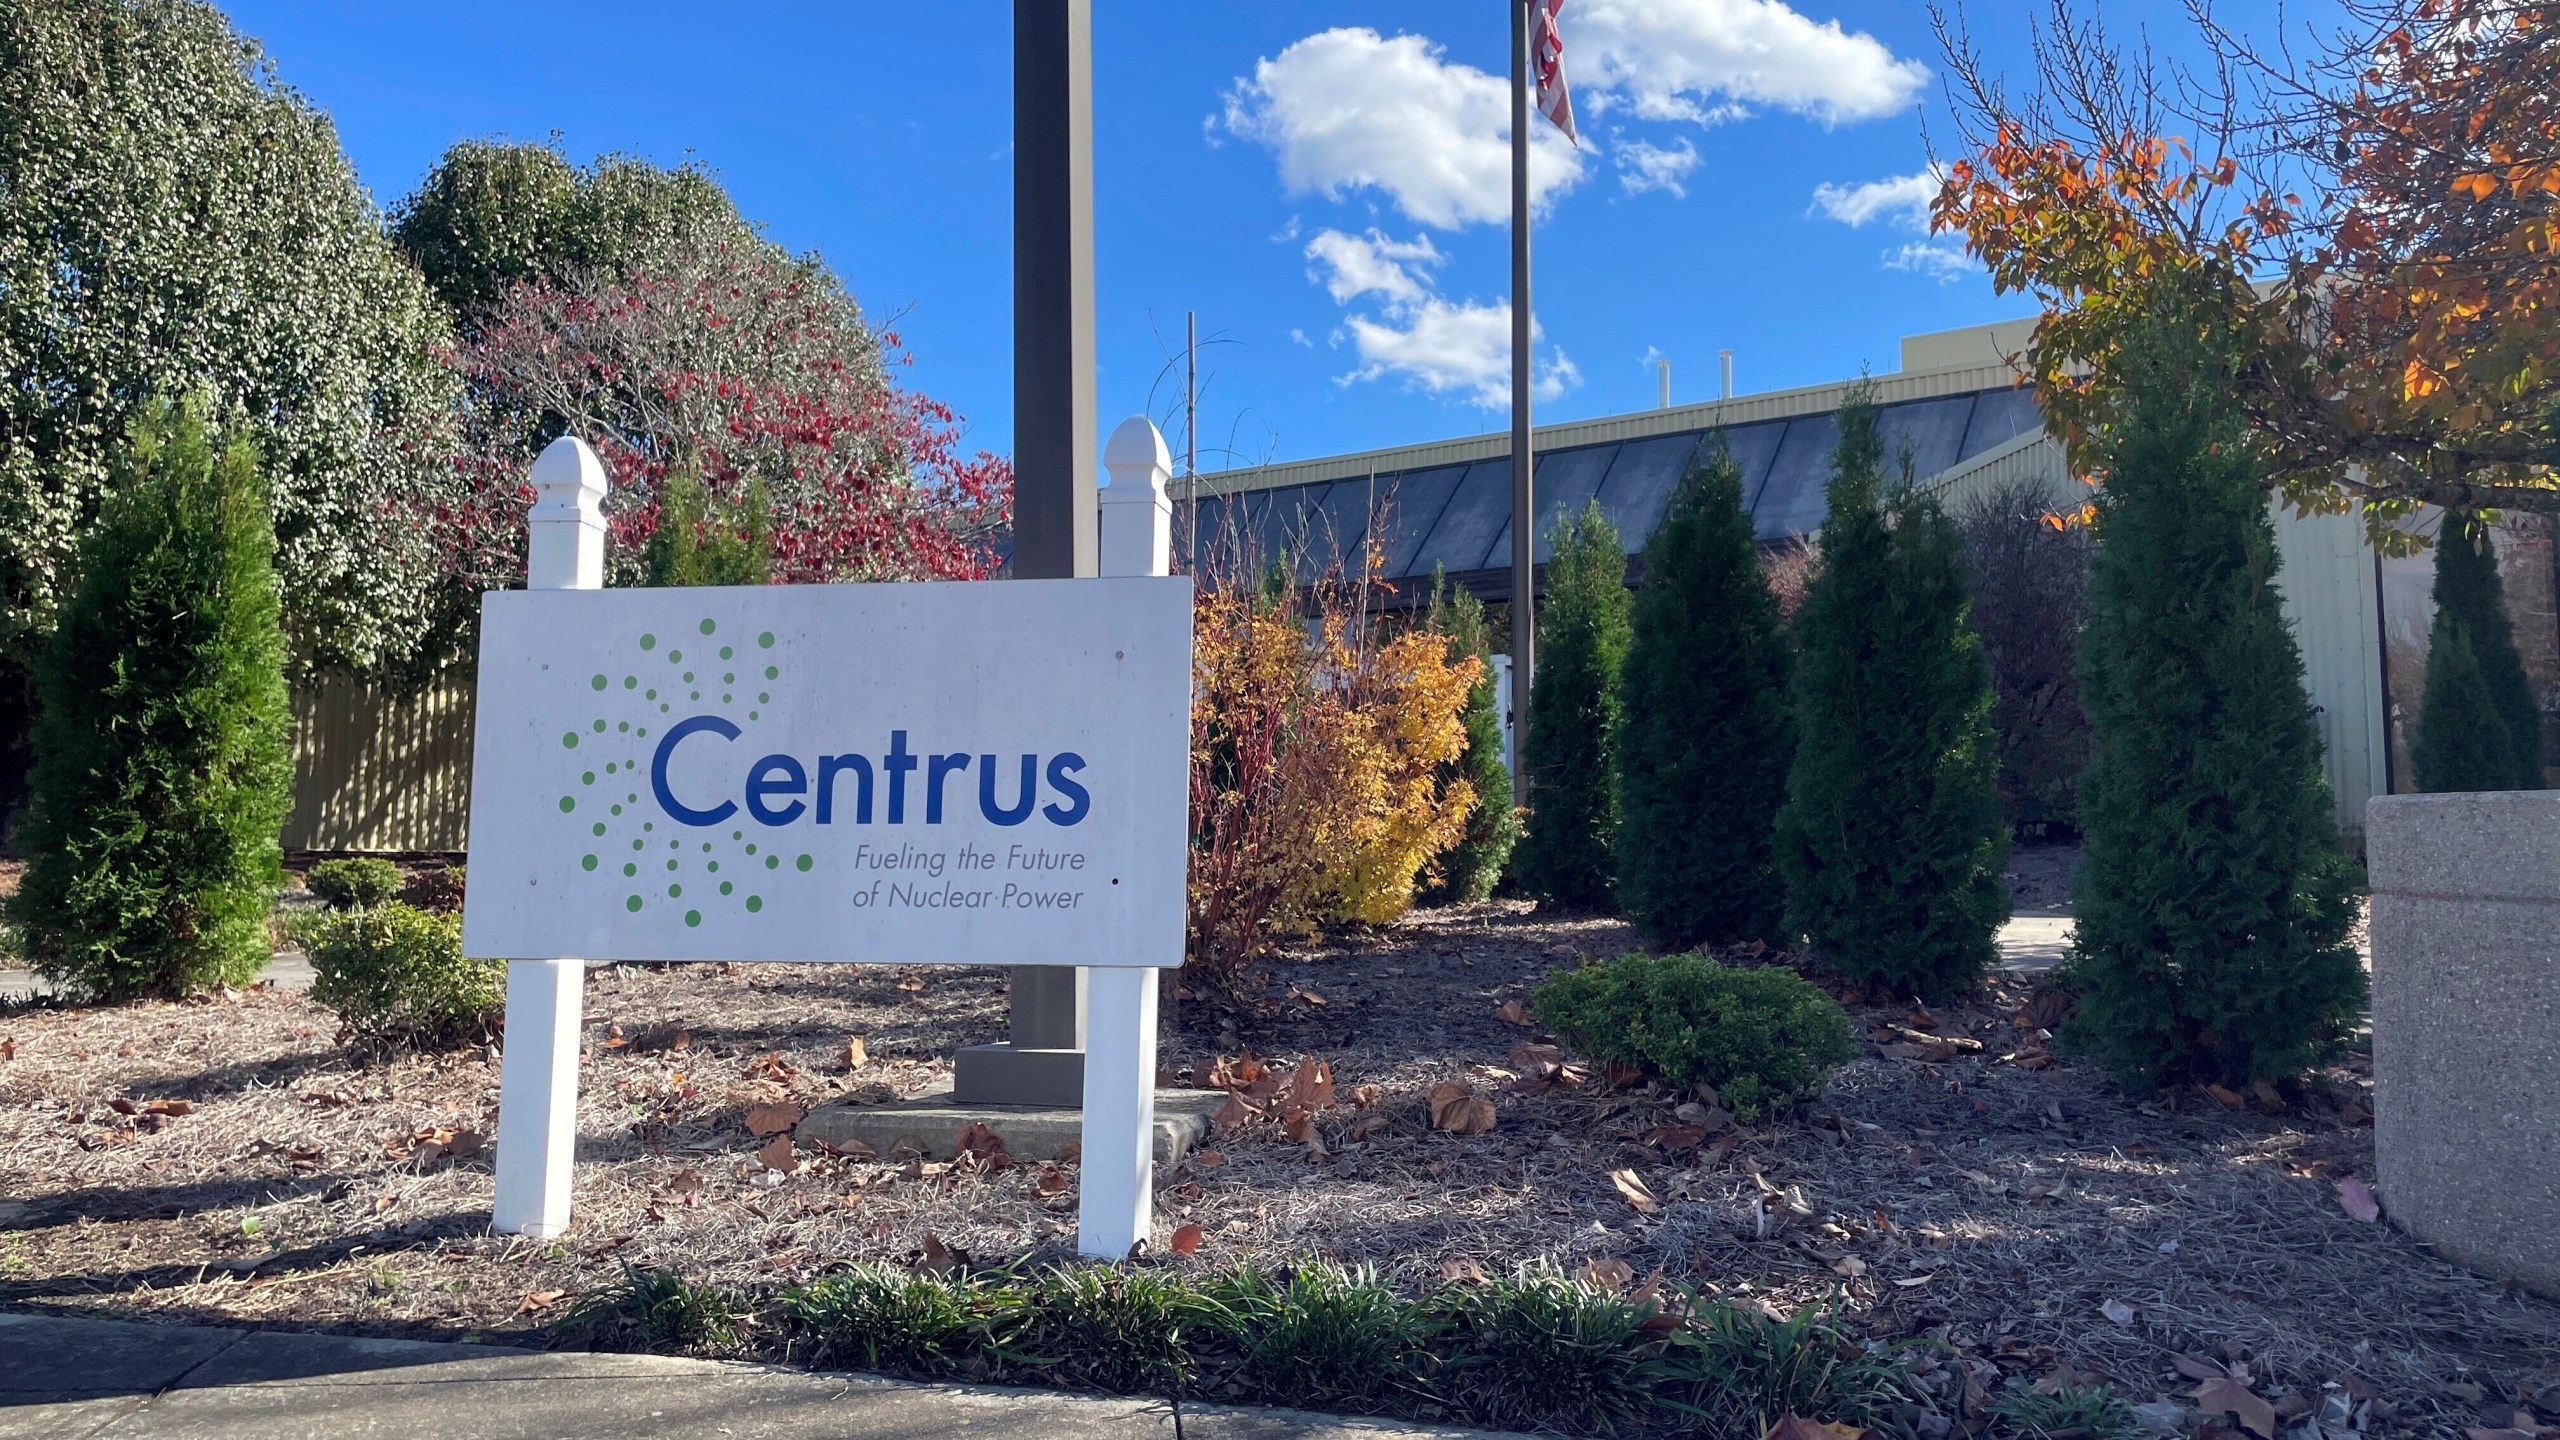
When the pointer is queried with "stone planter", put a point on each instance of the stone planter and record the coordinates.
(2466, 1025)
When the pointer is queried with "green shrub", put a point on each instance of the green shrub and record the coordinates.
(162, 745)
(396, 973)
(1473, 867)
(874, 1317)
(1329, 1338)
(2212, 906)
(661, 1311)
(1761, 1036)
(1891, 840)
(1125, 1332)
(353, 884)
(2478, 725)
(1541, 1351)
(1705, 740)
(1566, 856)
(1741, 1372)
(2095, 1413)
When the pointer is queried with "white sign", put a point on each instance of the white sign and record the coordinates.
(953, 773)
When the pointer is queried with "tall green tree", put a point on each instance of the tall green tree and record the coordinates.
(2213, 903)
(2492, 740)
(493, 212)
(174, 220)
(1473, 867)
(1567, 853)
(699, 541)
(163, 745)
(1891, 839)
(1706, 738)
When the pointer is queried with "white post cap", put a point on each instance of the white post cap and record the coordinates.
(568, 483)
(1137, 458)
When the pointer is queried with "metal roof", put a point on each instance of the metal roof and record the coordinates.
(1438, 505)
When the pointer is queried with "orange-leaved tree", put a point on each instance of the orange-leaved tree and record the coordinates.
(2380, 223)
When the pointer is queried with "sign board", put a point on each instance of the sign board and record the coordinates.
(926, 773)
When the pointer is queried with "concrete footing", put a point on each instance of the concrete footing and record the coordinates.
(931, 1124)
(2466, 1025)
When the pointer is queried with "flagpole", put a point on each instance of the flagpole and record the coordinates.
(1524, 625)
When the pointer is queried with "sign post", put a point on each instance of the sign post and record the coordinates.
(546, 998)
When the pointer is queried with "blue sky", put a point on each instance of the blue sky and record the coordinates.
(1312, 178)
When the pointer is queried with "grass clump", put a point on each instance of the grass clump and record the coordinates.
(1329, 1338)
(353, 884)
(1742, 1371)
(1543, 1351)
(876, 1317)
(397, 975)
(2071, 1412)
(661, 1312)
(1762, 1037)
(1124, 1332)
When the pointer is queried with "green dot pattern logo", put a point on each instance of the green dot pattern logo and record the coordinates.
(626, 700)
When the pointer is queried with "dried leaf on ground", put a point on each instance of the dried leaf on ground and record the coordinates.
(777, 1155)
(1051, 1180)
(2356, 1198)
(1611, 1275)
(1458, 1110)
(1511, 1012)
(1236, 1111)
(168, 1107)
(855, 1056)
(2224, 1096)
(979, 1139)
(538, 1300)
(1637, 1193)
(2117, 1312)
(1209, 1159)
(2227, 1396)
(939, 1258)
(763, 1120)
(1366, 1097)
(1183, 1240)
(1310, 1086)
(1462, 1272)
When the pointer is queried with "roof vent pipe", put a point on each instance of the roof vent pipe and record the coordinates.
(1665, 367)
(1724, 361)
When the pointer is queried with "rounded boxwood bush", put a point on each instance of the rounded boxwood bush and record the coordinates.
(396, 973)
(1762, 1037)
(353, 884)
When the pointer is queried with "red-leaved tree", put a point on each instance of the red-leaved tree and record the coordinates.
(743, 371)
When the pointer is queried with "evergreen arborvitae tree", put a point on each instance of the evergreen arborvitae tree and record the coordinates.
(2213, 903)
(1472, 867)
(163, 763)
(1565, 858)
(1891, 840)
(1706, 738)
(2462, 741)
(2469, 594)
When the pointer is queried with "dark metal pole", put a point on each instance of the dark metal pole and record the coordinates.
(1524, 510)
(1191, 439)
(1056, 513)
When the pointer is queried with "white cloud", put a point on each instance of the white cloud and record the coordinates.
(1710, 60)
(1347, 110)
(1643, 166)
(1357, 265)
(1941, 258)
(1454, 348)
(1299, 337)
(1902, 200)
(1899, 203)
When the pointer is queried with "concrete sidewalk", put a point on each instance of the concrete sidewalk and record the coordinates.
(66, 1379)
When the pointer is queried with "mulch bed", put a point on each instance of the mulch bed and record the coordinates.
(228, 1161)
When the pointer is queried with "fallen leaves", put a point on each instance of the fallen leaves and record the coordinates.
(2356, 1198)
(855, 1056)
(1184, 1240)
(535, 1300)
(1511, 1012)
(1632, 1188)
(1542, 1067)
(2226, 1395)
(777, 1154)
(2118, 1313)
(764, 1120)
(1458, 1110)
(438, 1142)
(1050, 1180)
(1798, 1427)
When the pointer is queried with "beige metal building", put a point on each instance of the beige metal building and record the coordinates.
(1954, 407)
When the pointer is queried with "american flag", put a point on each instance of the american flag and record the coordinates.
(1546, 61)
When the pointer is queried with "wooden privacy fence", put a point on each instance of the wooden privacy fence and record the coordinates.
(381, 771)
